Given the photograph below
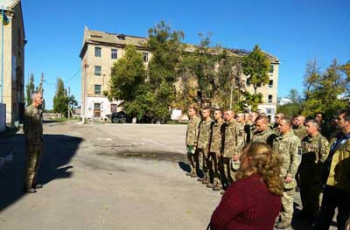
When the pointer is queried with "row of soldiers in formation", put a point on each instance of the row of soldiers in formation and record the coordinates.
(214, 146)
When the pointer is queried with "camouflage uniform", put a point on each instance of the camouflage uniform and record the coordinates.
(241, 137)
(215, 151)
(230, 139)
(33, 130)
(287, 146)
(265, 136)
(249, 129)
(300, 131)
(314, 153)
(191, 142)
(203, 144)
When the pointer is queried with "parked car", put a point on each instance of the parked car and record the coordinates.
(119, 117)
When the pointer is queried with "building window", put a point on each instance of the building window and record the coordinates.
(97, 51)
(114, 54)
(97, 89)
(270, 83)
(270, 99)
(271, 69)
(145, 57)
(97, 70)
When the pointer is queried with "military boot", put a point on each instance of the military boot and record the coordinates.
(217, 186)
(205, 180)
(283, 224)
(210, 185)
(193, 174)
(29, 190)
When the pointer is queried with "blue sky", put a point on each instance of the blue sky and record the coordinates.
(294, 31)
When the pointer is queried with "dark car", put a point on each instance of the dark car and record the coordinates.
(119, 117)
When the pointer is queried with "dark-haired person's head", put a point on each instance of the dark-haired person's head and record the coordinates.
(343, 120)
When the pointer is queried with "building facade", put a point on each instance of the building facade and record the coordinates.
(12, 50)
(100, 50)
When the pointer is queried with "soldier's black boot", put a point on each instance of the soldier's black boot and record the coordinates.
(37, 186)
(29, 190)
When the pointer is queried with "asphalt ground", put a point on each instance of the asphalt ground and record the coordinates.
(108, 176)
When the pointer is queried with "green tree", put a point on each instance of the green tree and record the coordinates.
(252, 99)
(229, 88)
(326, 92)
(72, 102)
(128, 82)
(312, 78)
(256, 66)
(30, 89)
(128, 73)
(294, 107)
(60, 100)
(201, 62)
(166, 47)
(346, 69)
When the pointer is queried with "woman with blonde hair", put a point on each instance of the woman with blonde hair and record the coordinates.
(254, 200)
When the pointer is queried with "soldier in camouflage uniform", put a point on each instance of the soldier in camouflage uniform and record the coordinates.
(241, 138)
(215, 150)
(278, 117)
(191, 139)
(229, 151)
(249, 127)
(33, 131)
(264, 132)
(299, 127)
(203, 144)
(287, 146)
(315, 149)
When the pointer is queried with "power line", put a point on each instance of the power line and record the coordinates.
(74, 75)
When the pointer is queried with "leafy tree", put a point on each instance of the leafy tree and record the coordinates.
(252, 99)
(229, 88)
(312, 78)
(30, 89)
(201, 63)
(326, 92)
(128, 73)
(346, 69)
(256, 66)
(294, 107)
(128, 82)
(166, 48)
(72, 102)
(60, 101)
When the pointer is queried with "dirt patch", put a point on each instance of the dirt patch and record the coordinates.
(146, 155)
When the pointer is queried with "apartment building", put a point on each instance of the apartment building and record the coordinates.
(101, 49)
(12, 40)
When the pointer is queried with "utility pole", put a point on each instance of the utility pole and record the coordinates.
(68, 103)
(40, 88)
(83, 107)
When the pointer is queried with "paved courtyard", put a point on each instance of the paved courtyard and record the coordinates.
(107, 176)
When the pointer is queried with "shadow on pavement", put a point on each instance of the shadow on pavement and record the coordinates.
(58, 151)
(184, 166)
